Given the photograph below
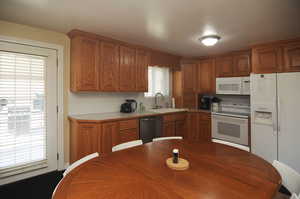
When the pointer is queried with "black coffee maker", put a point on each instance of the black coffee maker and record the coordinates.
(205, 101)
(129, 106)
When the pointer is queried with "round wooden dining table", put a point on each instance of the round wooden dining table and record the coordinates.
(216, 172)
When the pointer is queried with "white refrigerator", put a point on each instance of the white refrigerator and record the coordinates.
(275, 117)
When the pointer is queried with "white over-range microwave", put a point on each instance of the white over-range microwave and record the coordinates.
(233, 85)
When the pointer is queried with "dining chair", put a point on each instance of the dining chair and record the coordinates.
(290, 177)
(79, 162)
(127, 145)
(294, 196)
(232, 144)
(167, 138)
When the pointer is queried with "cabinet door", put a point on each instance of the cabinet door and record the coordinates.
(129, 135)
(242, 65)
(206, 77)
(142, 62)
(87, 140)
(224, 66)
(84, 64)
(109, 66)
(204, 130)
(189, 77)
(180, 129)
(267, 60)
(127, 69)
(168, 129)
(292, 58)
(109, 137)
(192, 126)
(189, 100)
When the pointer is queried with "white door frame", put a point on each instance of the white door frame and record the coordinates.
(60, 88)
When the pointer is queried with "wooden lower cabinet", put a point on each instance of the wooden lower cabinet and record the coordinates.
(91, 137)
(168, 129)
(174, 125)
(109, 137)
(180, 129)
(85, 137)
(199, 126)
(204, 130)
(129, 135)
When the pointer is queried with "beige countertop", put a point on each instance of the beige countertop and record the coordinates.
(119, 116)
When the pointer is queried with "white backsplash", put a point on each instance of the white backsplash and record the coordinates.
(89, 102)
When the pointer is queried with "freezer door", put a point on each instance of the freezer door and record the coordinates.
(289, 119)
(264, 115)
(263, 88)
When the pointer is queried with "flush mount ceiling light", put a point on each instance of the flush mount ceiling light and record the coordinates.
(210, 40)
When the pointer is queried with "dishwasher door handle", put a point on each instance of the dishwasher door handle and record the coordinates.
(148, 119)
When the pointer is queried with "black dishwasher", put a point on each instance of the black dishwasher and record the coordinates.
(150, 127)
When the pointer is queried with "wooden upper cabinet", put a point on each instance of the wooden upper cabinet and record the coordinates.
(292, 57)
(242, 66)
(127, 76)
(189, 77)
(206, 76)
(84, 61)
(109, 66)
(224, 66)
(189, 100)
(267, 59)
(142, 63)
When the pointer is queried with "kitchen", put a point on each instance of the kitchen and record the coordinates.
(227, 100)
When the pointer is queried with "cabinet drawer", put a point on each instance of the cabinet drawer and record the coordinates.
(179, 116)
(129, 135)
(128, 124)
(174, 117)
(169, 118)
(204, 116)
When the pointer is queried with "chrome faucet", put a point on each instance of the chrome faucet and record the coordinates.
(157, 106)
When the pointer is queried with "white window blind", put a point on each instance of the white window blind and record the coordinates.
(158, 81)
(22, 112)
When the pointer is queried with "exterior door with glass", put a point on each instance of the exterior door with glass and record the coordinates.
(28, 111)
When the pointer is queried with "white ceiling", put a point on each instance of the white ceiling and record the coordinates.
(170, 25)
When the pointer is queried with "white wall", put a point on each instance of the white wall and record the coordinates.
(83, 103)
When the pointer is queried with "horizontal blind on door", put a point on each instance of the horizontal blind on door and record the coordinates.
(22, 113)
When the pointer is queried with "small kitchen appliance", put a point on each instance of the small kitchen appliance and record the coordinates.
(233, 86)
(129, 106)
(205, 101)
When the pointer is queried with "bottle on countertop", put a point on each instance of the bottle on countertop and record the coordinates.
(141, 107)
(173, 102)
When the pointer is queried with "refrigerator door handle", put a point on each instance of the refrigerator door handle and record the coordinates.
(279, 114)
(275, 129)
